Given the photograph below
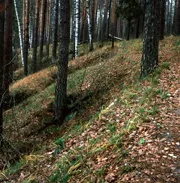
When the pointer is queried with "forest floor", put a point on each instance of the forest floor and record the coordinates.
(122, 129)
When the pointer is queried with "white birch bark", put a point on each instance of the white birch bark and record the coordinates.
(89, 25)
(31, 27)
(20, 34)
(76, 27)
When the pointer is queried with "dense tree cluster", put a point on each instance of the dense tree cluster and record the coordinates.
(27, 27)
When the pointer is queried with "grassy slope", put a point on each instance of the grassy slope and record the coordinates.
(106, 138)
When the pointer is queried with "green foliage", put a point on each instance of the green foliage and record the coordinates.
(60, 144)
(153, 111)
(163, 94)
(56, 177)
(126, 169)
(12, 169)
(165, 65)
(177, 43)
(115, 140)
(141, 141)
(112, 127)
(100, 172)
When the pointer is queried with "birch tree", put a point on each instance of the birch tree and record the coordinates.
(19, 33)
(89, 25)
(76, 26)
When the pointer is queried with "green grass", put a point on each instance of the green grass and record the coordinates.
(130, 96)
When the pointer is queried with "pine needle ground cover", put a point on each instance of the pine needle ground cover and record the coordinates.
(126, 131)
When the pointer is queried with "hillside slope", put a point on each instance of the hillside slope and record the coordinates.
(125, 130)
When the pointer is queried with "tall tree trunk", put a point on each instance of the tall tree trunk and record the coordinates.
(114, 22)
(100, 21)
(48, 26)
(26, 39)
(61, 85)
(31, 25)
(105, 22)
(109, 18)
(43, 16)
(36, 23)
(138, 27)
(73, 27)
(76, 27)
(89, 25)
(19, 32)
(162, 19)
(83, 20)
(7, 46)
(93, 16)
(170, 19)
(128, 30)
(23, 19)
(2, 10)
(151, 38)
(177, 18)
(54, 44)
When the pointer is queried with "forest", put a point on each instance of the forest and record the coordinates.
(90, 91)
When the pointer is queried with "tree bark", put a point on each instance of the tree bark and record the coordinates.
(7, 46)
(76, 27)
(177, 18)
(48, 26)
(105, 22)
(83, 20)
(2, 10)
(151, 38)
(36, 23)
(26, 39)
(162, 19)
(44, 2)
(61, 85)
(114, 22)
(19, 32)
(109, 18)
(55, 25)
(89, 25)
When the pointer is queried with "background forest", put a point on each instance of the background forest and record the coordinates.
(89, 91)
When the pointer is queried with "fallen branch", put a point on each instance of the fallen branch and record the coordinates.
(118, 38)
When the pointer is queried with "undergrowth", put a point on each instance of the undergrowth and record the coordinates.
(91, 142)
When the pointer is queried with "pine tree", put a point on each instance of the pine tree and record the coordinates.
(162, 19)
(36, 23)
(129, 10)
(44, 3)
(55, 29)
(7, 46)
(2, 11)
(26, 38)
(177, 18)
(150, 38)
(61, 85)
